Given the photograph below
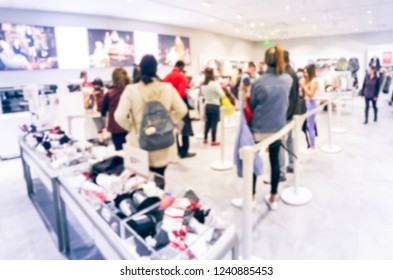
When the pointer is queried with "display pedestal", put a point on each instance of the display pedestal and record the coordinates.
(331, 149)
(221, 165)
(296, 196)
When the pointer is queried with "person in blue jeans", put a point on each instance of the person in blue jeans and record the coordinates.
(309, 87)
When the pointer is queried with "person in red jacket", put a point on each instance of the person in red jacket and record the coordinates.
(111, 100)
(180, 83)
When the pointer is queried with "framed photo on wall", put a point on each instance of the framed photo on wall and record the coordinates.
(174, 48)
(111, 48)
(27, 47)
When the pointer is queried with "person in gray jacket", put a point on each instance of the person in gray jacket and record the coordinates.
(269, 105)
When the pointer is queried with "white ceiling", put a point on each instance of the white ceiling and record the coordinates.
(247, 19)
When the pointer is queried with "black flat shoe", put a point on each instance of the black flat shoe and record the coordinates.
(188, 155)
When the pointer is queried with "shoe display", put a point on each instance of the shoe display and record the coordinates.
(271, 205)
(215, 143)
(238, 203)
(188, 155)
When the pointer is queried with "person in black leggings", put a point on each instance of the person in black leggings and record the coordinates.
(274, 150)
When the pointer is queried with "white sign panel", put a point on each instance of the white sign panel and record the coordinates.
(136, 160)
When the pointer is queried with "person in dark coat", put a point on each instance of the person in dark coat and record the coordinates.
(180, 83)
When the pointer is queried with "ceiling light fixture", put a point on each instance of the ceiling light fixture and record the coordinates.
(356, 29)
(212, 20)
(260, 37)
(370, 22)
(369, 12)
(251, 32)
(314, 27)
(262, 24)
(238, 16)
(252, 25)
(303, 19)
(287, 8)
(237, 30)
(308, 33)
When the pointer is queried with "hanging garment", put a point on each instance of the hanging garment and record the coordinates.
(375, 62)
(386, 85)
(244, 138)
(342, 64)
(353, 66)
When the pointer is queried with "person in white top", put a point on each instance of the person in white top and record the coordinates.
(213, 93)
(308, 89)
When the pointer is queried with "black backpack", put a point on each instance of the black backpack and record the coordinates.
(156, 132)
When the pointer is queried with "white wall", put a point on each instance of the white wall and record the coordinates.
(202, 43)
(353, 45)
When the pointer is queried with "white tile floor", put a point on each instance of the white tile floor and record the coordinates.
(349, 216)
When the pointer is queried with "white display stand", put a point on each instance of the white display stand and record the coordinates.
(220, 165)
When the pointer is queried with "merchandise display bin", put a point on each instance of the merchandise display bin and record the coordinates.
(117, 240)
(98, 222)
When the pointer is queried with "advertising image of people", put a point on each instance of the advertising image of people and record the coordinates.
(111, 48)
(25, 47)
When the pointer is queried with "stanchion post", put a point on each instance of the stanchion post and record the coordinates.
(222, 164)
(330, 148)
(296, 195)
(222, 120)
(338, 128)
(296, 145)
(247, 155)
(201, 133)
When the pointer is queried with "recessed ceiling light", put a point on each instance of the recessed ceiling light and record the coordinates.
(287, 8)
(212, 20)
(262, 24)
(314, 27)
(260, 36)
(370, 22)
(356, 29)
(369, 12)
(273, 33)
(308, 33)
(252, 25)
(239, 16)
(237, 30)
(303, 19)
(129, 1)
(251, 32)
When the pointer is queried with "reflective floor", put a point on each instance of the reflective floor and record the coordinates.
(349, 216)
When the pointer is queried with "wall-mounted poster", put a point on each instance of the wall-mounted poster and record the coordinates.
(27, 47)
(111, 48)
(174, 48)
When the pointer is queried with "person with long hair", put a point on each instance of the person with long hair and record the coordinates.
(309, 86)
(269, 104)
(370, 90)
(111, 100)
(213, 93)
(131, 109)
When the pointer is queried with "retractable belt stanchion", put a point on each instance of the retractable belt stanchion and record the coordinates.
(247, 156)
(338, 128)
(330, 148)
(296, 195)
(222, 164)
(201, 128)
